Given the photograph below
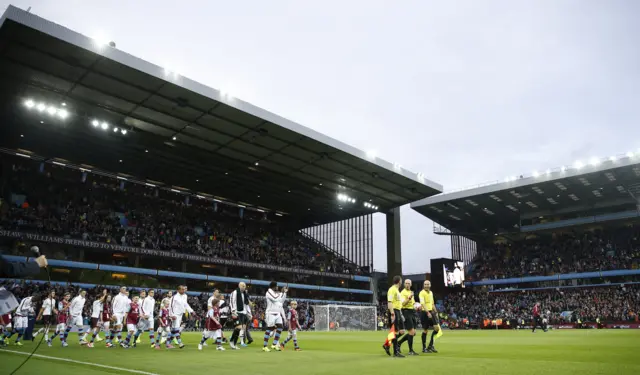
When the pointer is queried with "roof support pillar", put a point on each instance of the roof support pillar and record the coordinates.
(394, 255)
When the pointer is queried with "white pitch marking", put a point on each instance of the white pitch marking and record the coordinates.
(80, 362)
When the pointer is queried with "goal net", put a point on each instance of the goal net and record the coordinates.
(345, 318)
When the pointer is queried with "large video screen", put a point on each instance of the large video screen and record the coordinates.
(453, 271)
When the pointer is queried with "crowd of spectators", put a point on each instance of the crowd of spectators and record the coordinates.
(61, 202)
(610, 249)
(613, 303)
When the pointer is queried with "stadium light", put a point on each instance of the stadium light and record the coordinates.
(104, 126)
(578, 164)
(629, 154)
(535, 174)
(29, 103)
(594, 161)
(548, 172)
(41, 107)
(101, 40)
(174, 138)
(95, 123)
(63, 113)
(371, 154)
(115, 130)
(612, 158)
(52, 110)
(123, 131)
(563, 168)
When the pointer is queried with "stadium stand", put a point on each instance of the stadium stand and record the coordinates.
(124, 172)
(568, 238)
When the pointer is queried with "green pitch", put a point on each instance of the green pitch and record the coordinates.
(359, 353)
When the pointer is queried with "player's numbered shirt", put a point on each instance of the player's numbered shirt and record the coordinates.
(426, 300)
(407, 295)
(393, 296)
(96, 309)
(47, 306)
(134, 313)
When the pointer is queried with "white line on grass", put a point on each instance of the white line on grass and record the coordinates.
(81, 362)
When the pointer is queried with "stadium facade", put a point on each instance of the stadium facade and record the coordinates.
(80, 105)
(586, 197)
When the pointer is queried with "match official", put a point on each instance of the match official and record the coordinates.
(409, 315)
(428, 317)
(394, 304)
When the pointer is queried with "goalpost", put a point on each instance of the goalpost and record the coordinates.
(345, 318)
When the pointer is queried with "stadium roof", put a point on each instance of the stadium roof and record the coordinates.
(501, 207)
(179, 132)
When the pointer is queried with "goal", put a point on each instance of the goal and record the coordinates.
(345, 318)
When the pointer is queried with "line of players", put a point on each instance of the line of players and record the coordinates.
(113, 314)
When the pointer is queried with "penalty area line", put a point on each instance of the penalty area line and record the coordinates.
(80, 362)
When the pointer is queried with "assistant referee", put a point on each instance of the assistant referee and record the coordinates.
(409, 315)
(428, 317)
(394, 304)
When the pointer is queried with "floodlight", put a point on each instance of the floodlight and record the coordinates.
(41, 107)
(124, 131)
(535, 174)
(29, 103)
(371, 154)
(63, 114)
(52, 110)
(115, 130)
(629, 154)
(548, 171)
(578, 164)
(95, 123)
(105, 126)
(594, 161)
(174, 138)
(563, 168)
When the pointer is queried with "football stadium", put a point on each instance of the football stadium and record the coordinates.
(186, 231)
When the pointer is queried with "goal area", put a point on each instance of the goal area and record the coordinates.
(345, 318)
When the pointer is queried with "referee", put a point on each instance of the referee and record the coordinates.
(409, 315)
(428, 317)
(394, 304)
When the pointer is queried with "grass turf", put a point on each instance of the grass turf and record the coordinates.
(582, 352)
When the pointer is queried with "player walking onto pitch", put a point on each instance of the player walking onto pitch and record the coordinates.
(177, 308)
(147, 305)
(294, 326)
(119, 306)
(63, 317)
(21, 318)
(428, 318)
(75, 319)
(273, 315)
(46, 313)
(394, 305)
(96, 312)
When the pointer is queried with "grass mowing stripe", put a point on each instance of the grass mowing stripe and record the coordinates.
(80, 362)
